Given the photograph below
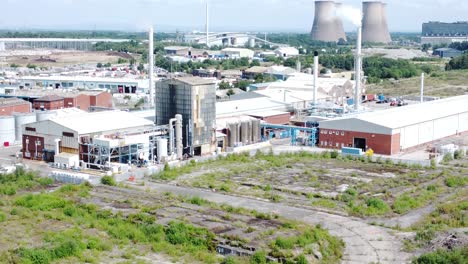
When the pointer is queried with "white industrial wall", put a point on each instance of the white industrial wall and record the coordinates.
(51, 131)
(426, 132)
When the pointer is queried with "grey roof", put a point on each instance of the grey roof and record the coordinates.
(11, 101)
(193, 80)
(243, 96)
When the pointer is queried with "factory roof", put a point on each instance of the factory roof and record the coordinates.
(257, 69)
(269, 113)
(280, 70)
(400, 117)
(417, 113)
(88, 123)
(11, 102)
(248, 106)
(176, 48)
(193, 80)
(236, 50)
(81, 79)
(49, 98)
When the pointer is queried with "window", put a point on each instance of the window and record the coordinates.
(68, 134)
(337, 133)
(32, 129)
(342, 145)
(101, 86)
(326, 143)
(337, 145)
(342, 133)
(321, 143)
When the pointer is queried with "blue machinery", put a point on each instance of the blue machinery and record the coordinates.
(310, 133)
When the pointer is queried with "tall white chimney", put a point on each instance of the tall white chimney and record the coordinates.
(151, 66)
(358, 66)
(316, 68)
(207, 25)
(422, 87)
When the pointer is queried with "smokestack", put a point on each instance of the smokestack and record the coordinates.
(327, 25)
(207, 25)
(422, 87)
(151, 66)
(316, 62)
(358, 66)
(374, 23)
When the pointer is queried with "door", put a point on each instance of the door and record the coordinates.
(360, 143)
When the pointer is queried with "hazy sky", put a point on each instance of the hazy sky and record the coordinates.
(168, 15)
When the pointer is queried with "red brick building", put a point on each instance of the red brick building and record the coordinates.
(398, 129)
(80, 101)
(273, 117)
(49, 102)
(102, 99)
(8, 106)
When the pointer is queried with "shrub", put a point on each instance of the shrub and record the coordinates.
(108, 180)
(456, 256)
(447, 157)
(259, 257)
(456, 181)
(2, 217)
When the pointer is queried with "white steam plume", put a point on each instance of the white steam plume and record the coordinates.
(354, 15)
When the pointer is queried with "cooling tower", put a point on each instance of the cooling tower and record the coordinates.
(374, 23)
(339, 30)
(327, 26)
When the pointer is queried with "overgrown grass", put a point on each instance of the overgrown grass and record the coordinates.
(456, 256)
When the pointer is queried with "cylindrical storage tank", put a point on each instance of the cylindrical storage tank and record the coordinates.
(179, 136)
(244, 132)
(251, 42)
(45, 115)
(162, 148)
(20, 120)
(251, 135)
(7, 130)
(232, 135)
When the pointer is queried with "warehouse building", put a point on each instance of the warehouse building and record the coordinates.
(8, 106)
(195, 99)
(394, 130)
(238, 53)
(95, 139)
(447, 53)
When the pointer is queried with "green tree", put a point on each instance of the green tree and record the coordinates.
(99, 65)
(224, 85)
(230, 92)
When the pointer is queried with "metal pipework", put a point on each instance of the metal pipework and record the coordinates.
(422, 87)
(178, 139)
(316, 67)
(358, 66)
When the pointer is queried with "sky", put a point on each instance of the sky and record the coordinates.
(225, 15)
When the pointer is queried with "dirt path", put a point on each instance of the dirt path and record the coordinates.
(364, 243)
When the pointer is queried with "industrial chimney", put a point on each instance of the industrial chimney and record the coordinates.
(374, 22)
(327, 25)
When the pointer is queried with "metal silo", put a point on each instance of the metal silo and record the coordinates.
(7, 129)
(244, 135)
(374, 23)
(20, 120)
(327, 26)
(162, 149)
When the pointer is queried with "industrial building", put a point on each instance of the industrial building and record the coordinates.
(94, 139)
(374, 22)
(286, 52)
(437, 33)
(195, 99)
(327, 25)
(394, 130)
(52, 99)
(447, 53)
(8, 106)
(53, 43)
(238, 53)
(114, 85)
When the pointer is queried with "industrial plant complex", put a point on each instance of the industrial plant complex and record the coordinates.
(216, 147)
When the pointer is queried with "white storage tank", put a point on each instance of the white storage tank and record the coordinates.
(45, 115)
(7, 130)
(162, 148)
(20, 120)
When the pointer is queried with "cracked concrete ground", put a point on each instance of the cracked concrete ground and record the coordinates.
(364, 243)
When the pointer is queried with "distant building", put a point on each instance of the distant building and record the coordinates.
(436, 33)
(286, 52)
(177, 50)
(195, 99)
(238, 53)
(447, 53)
(8, 106)
(252, 72)
(49, 102)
